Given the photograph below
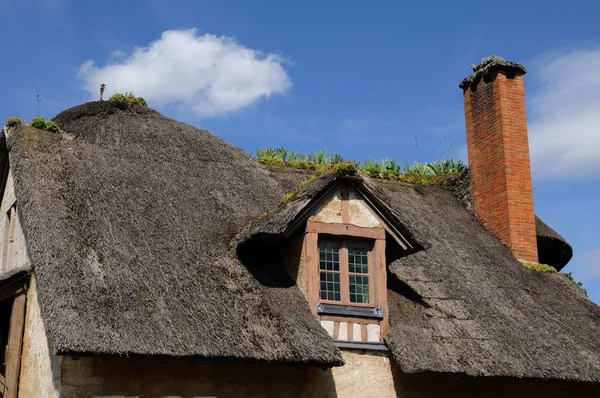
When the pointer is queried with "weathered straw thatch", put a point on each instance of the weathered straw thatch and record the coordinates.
(129, 217)
(462, 303)
(553, 249)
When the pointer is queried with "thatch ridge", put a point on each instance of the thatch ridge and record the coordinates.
(129, 215)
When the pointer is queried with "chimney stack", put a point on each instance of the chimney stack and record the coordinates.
(498, 151)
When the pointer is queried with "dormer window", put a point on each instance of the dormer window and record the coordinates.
(344, 267)
(346, 281)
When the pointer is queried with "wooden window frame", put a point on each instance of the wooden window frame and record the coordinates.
(345, 273)
(377, 272)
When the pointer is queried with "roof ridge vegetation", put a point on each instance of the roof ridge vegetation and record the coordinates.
(37, 122)
(418, 172)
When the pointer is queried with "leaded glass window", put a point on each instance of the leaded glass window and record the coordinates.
(329, 266)
(358, 268)
(344, 270)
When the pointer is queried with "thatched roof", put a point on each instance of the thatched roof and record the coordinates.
(134, 220)
(460, 302)
(129, 217)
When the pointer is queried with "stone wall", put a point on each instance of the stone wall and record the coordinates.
(365, 375)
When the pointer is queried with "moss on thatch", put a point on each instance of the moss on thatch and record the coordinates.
(46, 125)
(128, 97)
(418, 173)
(543, 268)
(13, 121)
(38, 123)
(288, 196)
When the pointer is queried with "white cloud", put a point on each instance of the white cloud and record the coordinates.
(564, 115)
(209, 75)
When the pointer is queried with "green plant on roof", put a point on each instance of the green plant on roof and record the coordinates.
(346, 169)
(288, 196)
(128, 97)
(269, 156)
(38, 123)
(51, 126)
(320, 158)
(417, 168)
(13, 121)
(420, 173)
(544, 268)
(335, 158)
(370, 166)
(42, 124)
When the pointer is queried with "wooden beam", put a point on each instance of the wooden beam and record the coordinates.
(15, 343)
(345, 194)
(345, 230)
(363, 332)
(311, 264)
(381, 285)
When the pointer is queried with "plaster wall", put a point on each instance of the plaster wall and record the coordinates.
(155, 378)
(330, 211)
(40, 371)
(360, 213)
(365, 375)
(13, 252)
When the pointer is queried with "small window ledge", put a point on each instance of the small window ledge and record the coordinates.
(360, 345)
(350, 311)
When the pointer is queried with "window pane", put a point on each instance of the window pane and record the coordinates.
(329, 256)
(330, 286)
(359, 289)
(358, 260)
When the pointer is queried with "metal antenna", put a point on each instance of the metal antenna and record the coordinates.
(102, 87)
(418, 157)
(38, 100)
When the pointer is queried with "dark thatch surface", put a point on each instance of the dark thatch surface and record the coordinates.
(463, 303)
(129, 217)
(553, 249)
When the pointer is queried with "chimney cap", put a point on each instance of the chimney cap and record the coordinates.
(487, 65)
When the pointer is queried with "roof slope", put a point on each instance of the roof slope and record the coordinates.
(129, 216)
(463, 303)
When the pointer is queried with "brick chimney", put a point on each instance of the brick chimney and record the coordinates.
(498, 148)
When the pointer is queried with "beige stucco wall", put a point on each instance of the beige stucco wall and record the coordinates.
(365, 375)
(40, 371)
(360, 213)
(330, 211)
(17, 249)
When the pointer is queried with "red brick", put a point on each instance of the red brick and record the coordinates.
(498, 151)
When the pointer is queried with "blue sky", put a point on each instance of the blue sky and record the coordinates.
(363, 79)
